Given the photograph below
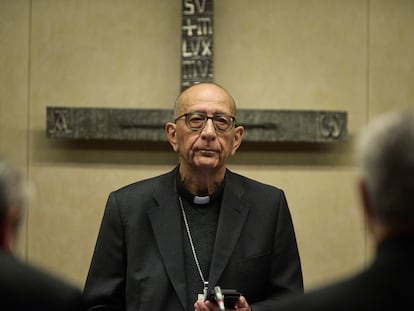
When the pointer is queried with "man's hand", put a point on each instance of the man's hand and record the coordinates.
(241, 305)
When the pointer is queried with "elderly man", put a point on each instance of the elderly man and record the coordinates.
(386, 153)
(23, 287)
(166, 242)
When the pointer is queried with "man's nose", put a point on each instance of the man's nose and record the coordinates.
(209, 128)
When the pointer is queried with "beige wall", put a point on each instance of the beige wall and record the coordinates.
(350, 55)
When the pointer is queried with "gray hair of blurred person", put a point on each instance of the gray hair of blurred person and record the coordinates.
(13, 191)
(385, 151)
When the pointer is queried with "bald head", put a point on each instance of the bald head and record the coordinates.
(201, 91)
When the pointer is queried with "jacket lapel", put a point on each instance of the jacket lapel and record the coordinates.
(166, 223)
(233, 215)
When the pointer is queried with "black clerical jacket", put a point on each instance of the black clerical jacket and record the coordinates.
(138, 260)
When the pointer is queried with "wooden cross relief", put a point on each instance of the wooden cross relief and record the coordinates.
(196, 66)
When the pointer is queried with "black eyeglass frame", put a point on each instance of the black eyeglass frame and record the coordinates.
(212, 118)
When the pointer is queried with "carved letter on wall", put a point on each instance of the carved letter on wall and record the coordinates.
(197, 42)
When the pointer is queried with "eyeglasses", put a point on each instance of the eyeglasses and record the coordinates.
(196, 121)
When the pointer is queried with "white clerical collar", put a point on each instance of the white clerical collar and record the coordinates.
(201, 200)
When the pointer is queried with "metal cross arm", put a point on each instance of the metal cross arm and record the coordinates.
(148, 124)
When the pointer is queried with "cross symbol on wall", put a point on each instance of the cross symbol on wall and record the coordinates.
(197, 42)
(197, 29)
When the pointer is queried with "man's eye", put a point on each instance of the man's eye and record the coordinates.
(197, 118)
(221, 120)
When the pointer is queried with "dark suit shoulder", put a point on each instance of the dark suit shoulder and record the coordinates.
(250, 186)
(132, 201)
(25, 287)
(369, 289)
(147, 184)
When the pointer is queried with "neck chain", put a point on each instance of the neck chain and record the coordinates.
(205, 283)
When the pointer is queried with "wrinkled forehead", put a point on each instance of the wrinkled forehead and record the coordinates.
(208, 98)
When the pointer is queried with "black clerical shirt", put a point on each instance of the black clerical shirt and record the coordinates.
(202, 220)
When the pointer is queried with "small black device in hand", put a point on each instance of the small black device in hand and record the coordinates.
(230, 297)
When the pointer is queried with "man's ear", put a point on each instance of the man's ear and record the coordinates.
(367, 205)
(8, 229)
(238, 137)
(365, 198)
(171, 132)
(3, 235)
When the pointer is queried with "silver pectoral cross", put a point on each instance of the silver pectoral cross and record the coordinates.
(203, 296)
